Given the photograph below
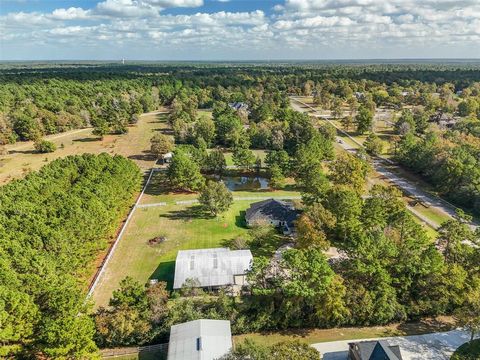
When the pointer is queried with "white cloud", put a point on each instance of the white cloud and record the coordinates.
(71, 13)
(314, 28)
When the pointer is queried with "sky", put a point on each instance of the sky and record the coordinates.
(238, 29)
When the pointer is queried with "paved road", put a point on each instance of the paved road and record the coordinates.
(438, 346)
(381, 166)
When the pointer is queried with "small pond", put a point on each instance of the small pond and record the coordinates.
(244, 183)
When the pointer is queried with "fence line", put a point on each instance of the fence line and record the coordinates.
(105, 261)
(112, 353)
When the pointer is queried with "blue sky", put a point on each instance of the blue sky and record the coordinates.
(238, 29)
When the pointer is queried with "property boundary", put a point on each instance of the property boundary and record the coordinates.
(113, 353)
(105, 261)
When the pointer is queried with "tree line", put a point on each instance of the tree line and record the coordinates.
(53, 223)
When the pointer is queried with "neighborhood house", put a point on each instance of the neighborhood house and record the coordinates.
(275, 212)
(200, 340)
(212, 268)
(373, 350)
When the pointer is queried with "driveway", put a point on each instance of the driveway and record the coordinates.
(438, 346)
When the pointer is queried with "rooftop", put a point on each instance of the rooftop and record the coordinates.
(200, 339)
(376, 350)
(211, 267)
(271, 209)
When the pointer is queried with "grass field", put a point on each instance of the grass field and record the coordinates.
(22, 158)
(184, 227)
(312, 336)
(157, 192)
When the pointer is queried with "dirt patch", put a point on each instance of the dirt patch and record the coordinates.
(157, 240)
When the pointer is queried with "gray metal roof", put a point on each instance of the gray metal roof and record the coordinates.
(200, 339)
(211, 267)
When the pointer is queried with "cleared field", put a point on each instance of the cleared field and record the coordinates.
(183, 226)
(22, 158)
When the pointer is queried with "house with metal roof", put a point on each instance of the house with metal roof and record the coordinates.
(200, 340)
(212, 268)
(274, 212)
(373, 350)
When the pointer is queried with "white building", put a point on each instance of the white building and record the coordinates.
(212, 268)
(200, 340)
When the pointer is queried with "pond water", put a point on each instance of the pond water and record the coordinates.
(245, 183)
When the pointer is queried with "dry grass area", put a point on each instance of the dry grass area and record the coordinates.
(21, 158)
(312, 336)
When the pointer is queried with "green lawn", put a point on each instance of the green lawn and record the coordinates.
(184, 226)
(468, 351)
(158, 192)
(312, 336)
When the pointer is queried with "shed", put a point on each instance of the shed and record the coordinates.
(200, 339)
(213, 268)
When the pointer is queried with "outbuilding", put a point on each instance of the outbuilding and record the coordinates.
(200, 340)
(212, 268)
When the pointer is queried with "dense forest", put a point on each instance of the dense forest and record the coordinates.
(52, 225)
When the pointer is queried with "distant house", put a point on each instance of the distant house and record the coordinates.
(359, 95)
(237, 106)
(271, 211)
(212, 268)
(200, 340)
(373, 350)
(444, 120)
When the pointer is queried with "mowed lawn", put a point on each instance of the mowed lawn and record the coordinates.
(183, 226)
(158, 192)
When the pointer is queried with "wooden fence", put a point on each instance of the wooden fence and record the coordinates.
(160, 351)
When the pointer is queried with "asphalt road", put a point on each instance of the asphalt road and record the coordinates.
(381, 166)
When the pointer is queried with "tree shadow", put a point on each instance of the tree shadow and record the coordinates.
(195, 211)
(424, 326)
(152, 355)
(146, 156)
(23, 152)
(88, 139)
(165, 271)
(240, 220)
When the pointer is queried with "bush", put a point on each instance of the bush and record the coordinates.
(44, 146)
(468, 351)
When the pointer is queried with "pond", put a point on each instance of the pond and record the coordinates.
(245, 183)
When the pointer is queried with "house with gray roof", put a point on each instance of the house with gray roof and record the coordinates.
(212, 268)
(237, 106)
(200, 340)
(373, 350)
(274, 212)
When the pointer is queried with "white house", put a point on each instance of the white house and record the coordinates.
(200, 340)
